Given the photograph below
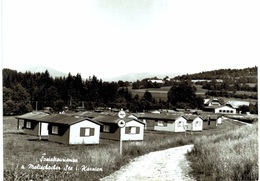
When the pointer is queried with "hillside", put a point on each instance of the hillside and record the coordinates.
(249, 75)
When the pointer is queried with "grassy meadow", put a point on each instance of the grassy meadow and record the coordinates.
(229, 156)
(93, 161)
(161, 93)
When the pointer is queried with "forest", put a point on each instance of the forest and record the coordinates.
(24, 92)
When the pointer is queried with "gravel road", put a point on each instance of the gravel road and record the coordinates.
(165, 165)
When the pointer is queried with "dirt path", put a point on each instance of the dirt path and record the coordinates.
(170, 164)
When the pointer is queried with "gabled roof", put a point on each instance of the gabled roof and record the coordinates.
(113, 119)
(236, 104)
(54, 118)
(211, 100)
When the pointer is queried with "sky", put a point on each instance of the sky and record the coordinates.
(108, 38)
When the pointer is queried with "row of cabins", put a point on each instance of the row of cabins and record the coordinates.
(177, 122)
(89, 127)
(80, 129)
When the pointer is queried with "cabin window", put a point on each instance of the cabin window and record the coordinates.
(160, 123)
(197, 124)
(227, 111)
(231, 111)
(28, 124)
(179, 124)
(220, 110)
(106, 128)
(54, 129)
(132, 130)
(87, 132)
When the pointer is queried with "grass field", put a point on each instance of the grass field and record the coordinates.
(22, 150)
(161, 93)
(229, 156)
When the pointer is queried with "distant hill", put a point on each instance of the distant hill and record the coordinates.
(250, 72)
(131, 77)
(52, 72)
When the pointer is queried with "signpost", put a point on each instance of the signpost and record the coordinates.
(185, 126)
(121, 123)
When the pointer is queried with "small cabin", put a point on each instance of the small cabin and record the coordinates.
(72, 130)
(132, 131)
(162, 122)
(194, 123)
(32, 124)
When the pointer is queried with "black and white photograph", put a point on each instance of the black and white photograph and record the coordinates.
(129, 90)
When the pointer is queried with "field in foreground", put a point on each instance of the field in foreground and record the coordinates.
(93, 161)
(229, 156)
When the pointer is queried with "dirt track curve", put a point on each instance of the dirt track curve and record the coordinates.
(165, 165)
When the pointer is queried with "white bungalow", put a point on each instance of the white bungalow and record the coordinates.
(132, 131)
(163, 122)
(220, 109)
(72, 130)
(225, 110)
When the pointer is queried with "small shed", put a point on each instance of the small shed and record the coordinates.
(133, 130)
(213, 121)
(32, 124)
(72, 130)
(194, 123)
(206, 122)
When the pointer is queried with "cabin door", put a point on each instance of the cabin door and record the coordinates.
(44, 129)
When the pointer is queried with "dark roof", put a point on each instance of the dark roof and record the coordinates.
(214, 117)
(54, 118)
(191, 117)
(32, 116)
(86, 114)
(113, 119)
(157, 116)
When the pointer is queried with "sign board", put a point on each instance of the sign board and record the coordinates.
(121, 123)
(121, 114)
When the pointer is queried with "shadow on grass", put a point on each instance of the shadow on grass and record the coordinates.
(37, 139)
(13, 132)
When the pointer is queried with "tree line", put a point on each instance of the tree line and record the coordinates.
(24, 92)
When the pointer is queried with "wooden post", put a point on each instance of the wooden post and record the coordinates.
(121, 123)
(120, 142)
(40, 130)
(18, 124)
(36, 107)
